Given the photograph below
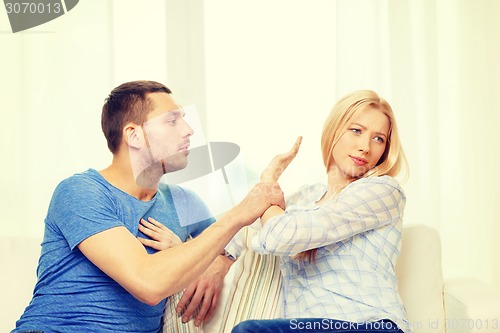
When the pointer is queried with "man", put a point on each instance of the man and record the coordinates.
(94, 274)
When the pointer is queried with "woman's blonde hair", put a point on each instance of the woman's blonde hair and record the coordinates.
(393, 159)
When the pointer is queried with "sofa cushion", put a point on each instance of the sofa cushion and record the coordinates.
(256, 290)
(420, 278)
(19, 257)
(252, 290)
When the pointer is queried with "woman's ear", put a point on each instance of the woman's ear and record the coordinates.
(132, 134)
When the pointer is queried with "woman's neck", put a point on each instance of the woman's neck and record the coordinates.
(337, 181)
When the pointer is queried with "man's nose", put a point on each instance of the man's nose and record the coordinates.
(187, 130)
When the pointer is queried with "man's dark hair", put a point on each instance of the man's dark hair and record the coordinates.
(127, 103)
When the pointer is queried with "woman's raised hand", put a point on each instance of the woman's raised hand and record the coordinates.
(279, 163)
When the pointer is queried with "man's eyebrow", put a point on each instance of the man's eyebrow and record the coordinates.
(364, 127)
(176, 112)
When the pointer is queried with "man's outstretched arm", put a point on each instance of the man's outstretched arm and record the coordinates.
(151, 278)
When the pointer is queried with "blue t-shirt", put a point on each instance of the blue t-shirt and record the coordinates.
(72, 294)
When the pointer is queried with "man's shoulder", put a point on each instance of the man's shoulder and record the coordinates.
(81, 184)
(80, 197)
(87, 176)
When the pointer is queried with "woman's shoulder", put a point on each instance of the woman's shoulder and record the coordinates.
(383, 180)
(376, 184)
(313, 188)
(307, 193)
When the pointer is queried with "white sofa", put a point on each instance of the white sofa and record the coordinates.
(459, 305)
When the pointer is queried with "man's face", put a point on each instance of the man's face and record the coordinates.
(167, 133)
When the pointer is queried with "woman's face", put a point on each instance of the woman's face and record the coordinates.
(361, 145)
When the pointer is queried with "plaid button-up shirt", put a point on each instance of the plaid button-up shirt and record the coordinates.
(358, 234)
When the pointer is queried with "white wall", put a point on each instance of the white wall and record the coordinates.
(53, 82)
(270, 77)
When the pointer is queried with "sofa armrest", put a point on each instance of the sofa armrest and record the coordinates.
(471, 306)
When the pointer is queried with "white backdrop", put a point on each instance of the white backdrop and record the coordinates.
(261, 73)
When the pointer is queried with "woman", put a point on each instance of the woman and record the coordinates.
(339, 242)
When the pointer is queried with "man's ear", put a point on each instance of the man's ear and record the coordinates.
(133, 135)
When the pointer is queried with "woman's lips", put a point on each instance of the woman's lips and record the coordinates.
(358, 160)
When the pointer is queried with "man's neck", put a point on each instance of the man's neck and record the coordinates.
(122, 177)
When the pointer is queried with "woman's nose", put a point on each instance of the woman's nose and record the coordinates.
(364, 144)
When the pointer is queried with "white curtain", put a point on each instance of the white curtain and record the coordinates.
(261, 73)
(274, 69)
(438, 62)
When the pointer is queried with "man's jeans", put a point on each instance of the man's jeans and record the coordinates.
(314, 325)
